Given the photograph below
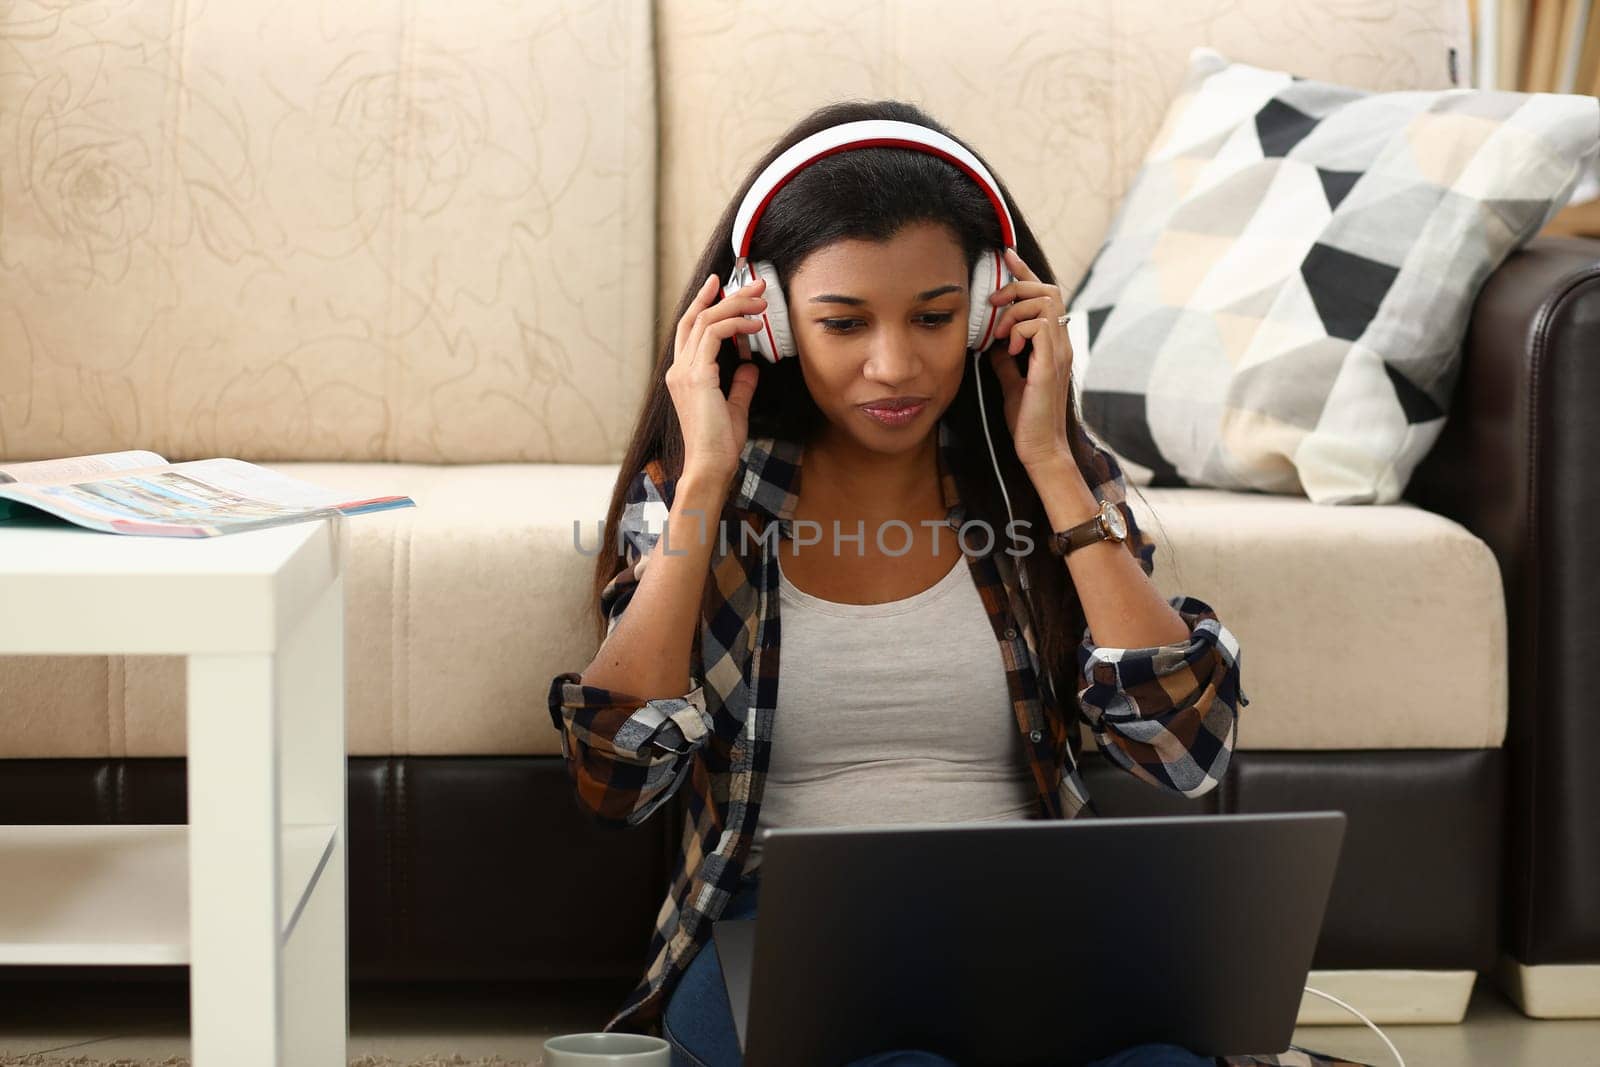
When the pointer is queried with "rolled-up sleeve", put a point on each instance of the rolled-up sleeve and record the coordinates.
(627, 755)
(1168, 713)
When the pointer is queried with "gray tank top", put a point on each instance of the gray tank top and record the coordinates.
(892, 713)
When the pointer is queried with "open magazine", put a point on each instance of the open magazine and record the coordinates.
(141, 493)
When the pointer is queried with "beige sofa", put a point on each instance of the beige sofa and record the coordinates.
(430, 250)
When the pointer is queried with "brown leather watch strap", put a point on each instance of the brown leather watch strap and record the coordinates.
(1102, 526)
(1085, 533)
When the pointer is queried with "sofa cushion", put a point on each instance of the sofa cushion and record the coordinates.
(372, 232)
(1360, 628)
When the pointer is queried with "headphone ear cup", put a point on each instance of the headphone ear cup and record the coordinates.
(989, 274)
(775, 341)
(766, 342)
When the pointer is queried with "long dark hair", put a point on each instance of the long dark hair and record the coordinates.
(870, 194)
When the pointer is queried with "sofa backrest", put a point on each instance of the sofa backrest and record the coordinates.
(300, 230)
(428, 233)
(1062, 97)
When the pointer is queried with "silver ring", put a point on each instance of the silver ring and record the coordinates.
(1061, 320)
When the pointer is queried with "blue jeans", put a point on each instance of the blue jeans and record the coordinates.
(698, 1022)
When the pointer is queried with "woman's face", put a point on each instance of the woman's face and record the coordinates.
(874, 321)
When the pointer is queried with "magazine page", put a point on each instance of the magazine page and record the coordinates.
(77, 468)
(251, 481)
(200, 498)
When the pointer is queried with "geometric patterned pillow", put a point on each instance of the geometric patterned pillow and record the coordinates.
(1280, 302)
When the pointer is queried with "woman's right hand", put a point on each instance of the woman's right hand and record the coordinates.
(714, 426)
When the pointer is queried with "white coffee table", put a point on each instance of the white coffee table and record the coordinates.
(251, 893)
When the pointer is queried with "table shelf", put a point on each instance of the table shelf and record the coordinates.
(251, 893)
(119, 894)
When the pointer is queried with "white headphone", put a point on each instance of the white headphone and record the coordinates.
(775, 340)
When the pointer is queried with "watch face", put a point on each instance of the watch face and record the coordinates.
(1114, 519)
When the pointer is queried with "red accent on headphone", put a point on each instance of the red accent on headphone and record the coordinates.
(1006, 236)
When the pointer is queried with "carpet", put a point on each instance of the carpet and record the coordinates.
(43, 1060)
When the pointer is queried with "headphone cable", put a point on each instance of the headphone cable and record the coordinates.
(983, 419)
(1370, 1024)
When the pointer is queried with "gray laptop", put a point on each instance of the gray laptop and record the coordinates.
(1030, 942)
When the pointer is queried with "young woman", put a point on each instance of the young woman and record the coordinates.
(933, 667)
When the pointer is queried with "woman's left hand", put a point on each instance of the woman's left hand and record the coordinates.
(1035, 406)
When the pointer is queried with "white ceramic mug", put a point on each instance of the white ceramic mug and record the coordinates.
(607, 1050)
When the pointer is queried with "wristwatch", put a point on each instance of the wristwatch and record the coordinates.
(1108, 525)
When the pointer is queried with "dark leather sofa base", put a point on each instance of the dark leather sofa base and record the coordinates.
(1516, 465)
(486, 869)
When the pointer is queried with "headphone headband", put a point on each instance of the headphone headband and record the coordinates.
(867, 133)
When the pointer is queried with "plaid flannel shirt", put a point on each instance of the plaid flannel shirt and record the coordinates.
(1165, 714)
